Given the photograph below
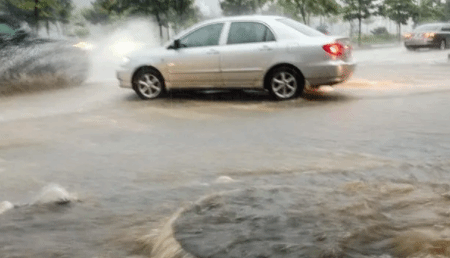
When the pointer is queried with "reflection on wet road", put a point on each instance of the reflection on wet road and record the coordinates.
(132, 163)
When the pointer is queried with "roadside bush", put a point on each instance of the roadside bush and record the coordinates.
(323, 29)
(380, 31)
(376, 39)
(82, 32)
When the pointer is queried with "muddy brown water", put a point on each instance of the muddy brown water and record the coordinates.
(354, 219)
(369, 175)
(384, 212)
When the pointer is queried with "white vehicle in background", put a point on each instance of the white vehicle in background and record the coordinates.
(251, 52)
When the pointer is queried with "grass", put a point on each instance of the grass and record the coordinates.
(375, 39)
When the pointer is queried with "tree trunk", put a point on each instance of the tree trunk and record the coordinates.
(351, 29)
(168, 31)
(58, 28)
(399, 31)
(302, 11)
(359, 21)
(47, 28)
(36, 15)
(158, 19)
(359, 31)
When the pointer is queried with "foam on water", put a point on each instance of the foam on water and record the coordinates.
(50, 194)
(5, 206)
(54, 193)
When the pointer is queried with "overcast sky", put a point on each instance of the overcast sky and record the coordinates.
(208, 7)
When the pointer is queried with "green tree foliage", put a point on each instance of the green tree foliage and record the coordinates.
(105, 11)
(159, 9)
(49, 11)
(178, 13)
(428, 11)
(359, 10)
(306, 8)
(238, 7)
(446, 11)
(273, 9)
(77, 26)
(400, 11)
(181, 13)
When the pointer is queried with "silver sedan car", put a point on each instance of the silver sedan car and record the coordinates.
(270, 53)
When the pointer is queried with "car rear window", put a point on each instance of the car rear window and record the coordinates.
(300, 27)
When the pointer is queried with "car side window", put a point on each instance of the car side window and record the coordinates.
(249, 32)
(208, 35)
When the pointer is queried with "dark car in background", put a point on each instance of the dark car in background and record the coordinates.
(14, 33)
(26, 58)
(434, 35)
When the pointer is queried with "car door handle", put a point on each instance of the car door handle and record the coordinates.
(212, 52)
(265, 48)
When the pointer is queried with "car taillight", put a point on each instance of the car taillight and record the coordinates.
(334, 49)
(429, 35)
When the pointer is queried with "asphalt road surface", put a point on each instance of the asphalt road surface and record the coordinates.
(132, 163)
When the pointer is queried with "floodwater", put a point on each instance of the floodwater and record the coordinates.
(369, 168)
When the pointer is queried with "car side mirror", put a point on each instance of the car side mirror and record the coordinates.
(176, 44)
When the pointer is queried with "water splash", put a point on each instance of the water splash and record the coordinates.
(5, 206)
(50, 194)
(41, 66)
(54, 194)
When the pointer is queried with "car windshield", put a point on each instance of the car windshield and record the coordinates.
(5, 29)
(425, 28)
(300, 27)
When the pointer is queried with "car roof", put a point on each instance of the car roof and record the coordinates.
(263, 18)
(435, 24)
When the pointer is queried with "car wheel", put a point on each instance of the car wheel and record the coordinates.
(442, 46)
(284, 83)
(411, 48)
(148, 84)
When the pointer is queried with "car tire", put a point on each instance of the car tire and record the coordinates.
(442, 45)
(411, 48)
(148, 84)
(285, 83)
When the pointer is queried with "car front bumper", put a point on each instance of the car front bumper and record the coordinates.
(124, 77)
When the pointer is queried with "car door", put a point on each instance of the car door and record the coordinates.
(249, 51)
(197, 62)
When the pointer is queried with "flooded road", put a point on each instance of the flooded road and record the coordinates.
(365, 151)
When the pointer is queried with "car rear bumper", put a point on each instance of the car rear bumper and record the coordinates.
(332, 73)
(421, 43)
(124, 78)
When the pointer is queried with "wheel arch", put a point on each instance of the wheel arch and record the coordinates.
(445, 42)
(143, 67)
(266, 82)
